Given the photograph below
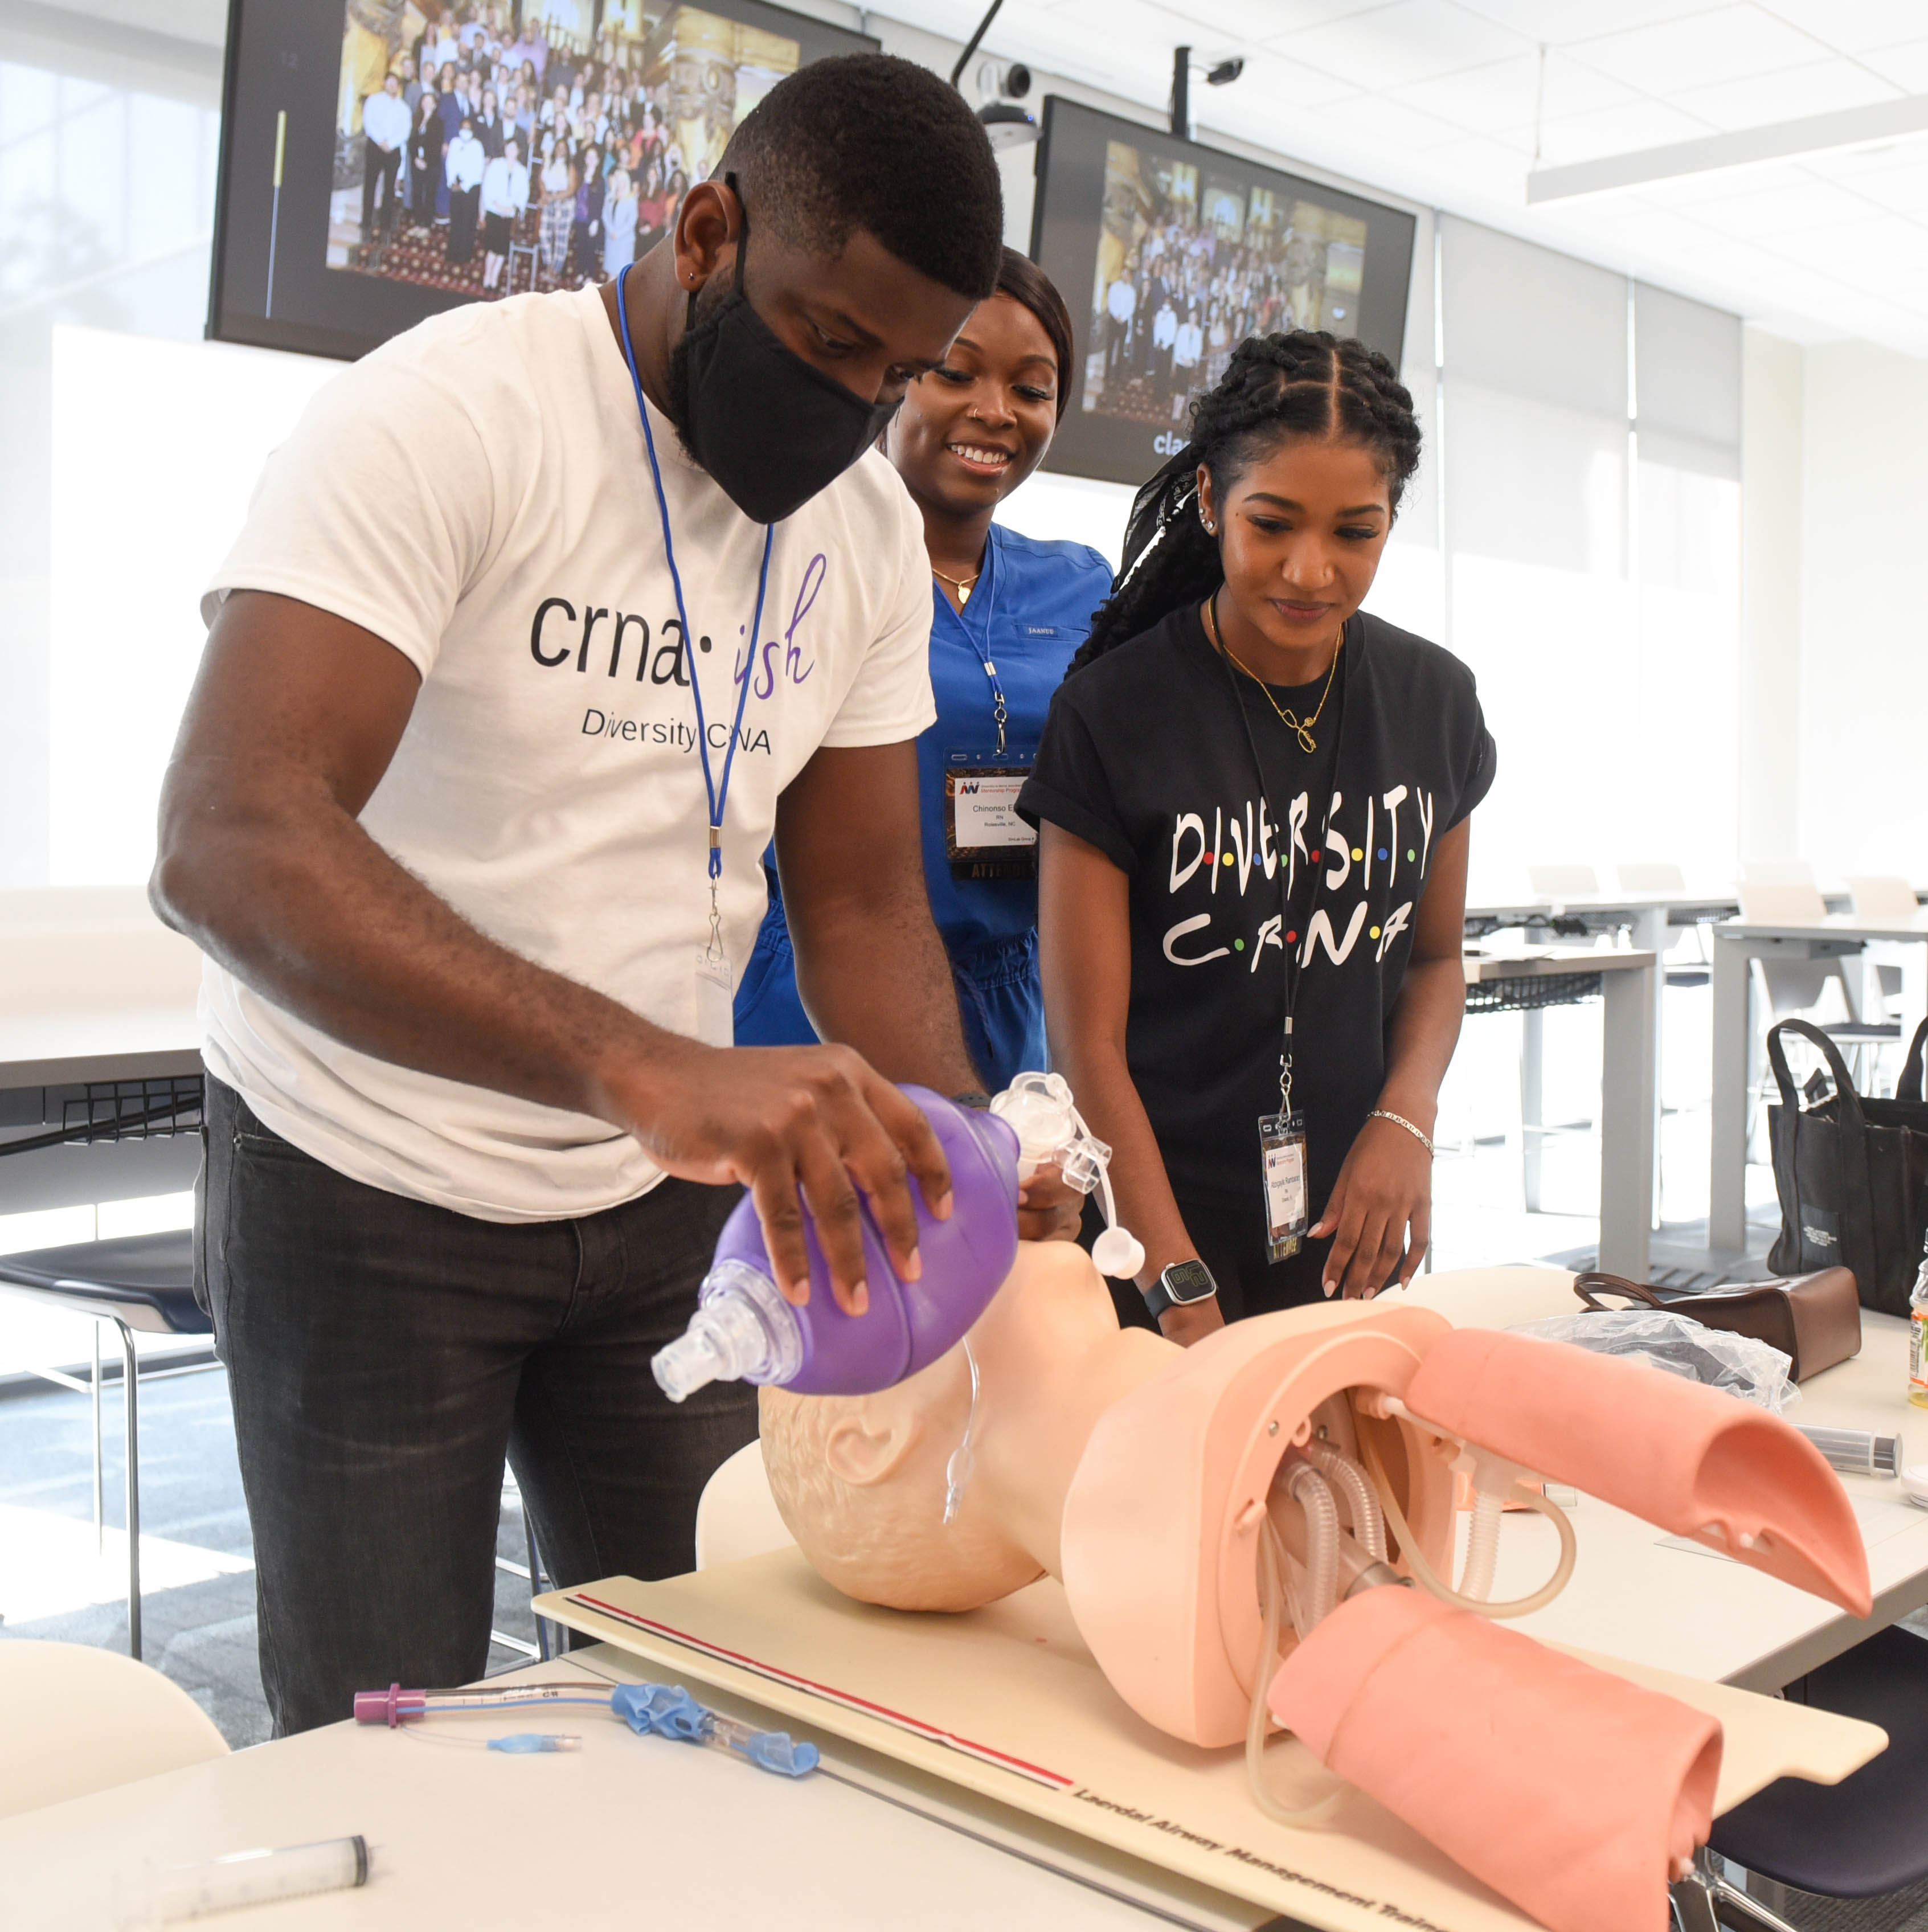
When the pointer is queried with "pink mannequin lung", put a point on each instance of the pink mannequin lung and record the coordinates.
(1140, 1474)
(1574, 1793)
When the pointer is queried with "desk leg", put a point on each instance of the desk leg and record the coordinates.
(1651, 935)
(130, 1402)
(1727, 1151)
(1626, 1121)
(1532, 1082)
(1914, 990)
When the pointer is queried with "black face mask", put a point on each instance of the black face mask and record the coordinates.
(770, 428)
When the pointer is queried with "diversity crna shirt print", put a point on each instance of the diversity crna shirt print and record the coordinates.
(1254, 864)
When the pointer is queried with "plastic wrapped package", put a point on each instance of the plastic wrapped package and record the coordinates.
(1736, 1364)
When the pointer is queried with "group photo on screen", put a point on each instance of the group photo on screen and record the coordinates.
(491, 149)
(1189, 263)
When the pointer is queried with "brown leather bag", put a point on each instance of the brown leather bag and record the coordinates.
(1814, 1320)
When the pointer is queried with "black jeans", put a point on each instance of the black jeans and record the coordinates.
(385, 1355)
(379, 165)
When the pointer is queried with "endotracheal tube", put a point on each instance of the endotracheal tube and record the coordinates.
(1306, 1563)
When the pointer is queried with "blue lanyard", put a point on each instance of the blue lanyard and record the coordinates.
(718, 795)
(999, 711)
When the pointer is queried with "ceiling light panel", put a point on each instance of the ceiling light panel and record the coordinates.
(1617, 130)
(1504, 95)
(1255, 20)
(1701, 50)
(1897, 181)
(1853, 28)
(1786, 95)
(1905, 64)
(1270, 95)
(1561, 22)
(1761, 214)
(1378, 118)
(1410, 40)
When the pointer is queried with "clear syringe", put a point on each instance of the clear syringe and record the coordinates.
(165, 1897)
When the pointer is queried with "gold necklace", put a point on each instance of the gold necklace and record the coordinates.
(961, 585)
(1302, 731)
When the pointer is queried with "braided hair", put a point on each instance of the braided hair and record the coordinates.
(1305, 383)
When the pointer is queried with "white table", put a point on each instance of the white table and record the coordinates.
(466, 1837)
(629, 1830)
(93, 992)
(1635, 1595)
(1737, 943)
(93, 989)
(1629, 1091)
(68, 1048)
(1647, 918)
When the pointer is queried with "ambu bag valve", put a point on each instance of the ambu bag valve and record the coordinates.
(744, 1330)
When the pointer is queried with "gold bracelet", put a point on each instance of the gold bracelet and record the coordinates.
(1400, 1120)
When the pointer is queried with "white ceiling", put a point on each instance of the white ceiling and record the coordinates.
(1436, 100)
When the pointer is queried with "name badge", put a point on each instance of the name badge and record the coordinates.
(1281, 1146)
(983, 837)
(715, 994)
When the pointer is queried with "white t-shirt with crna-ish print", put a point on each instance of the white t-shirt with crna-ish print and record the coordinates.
(477, 493)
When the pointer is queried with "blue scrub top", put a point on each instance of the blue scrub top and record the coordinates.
(1028, 611)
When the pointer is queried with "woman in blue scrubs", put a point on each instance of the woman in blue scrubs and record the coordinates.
(1007, 612)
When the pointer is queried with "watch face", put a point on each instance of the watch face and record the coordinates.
(1189, 1281)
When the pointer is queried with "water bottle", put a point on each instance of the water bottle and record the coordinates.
(744, 1329)
(1917, 1332)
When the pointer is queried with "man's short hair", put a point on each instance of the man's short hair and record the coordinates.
(869, 141)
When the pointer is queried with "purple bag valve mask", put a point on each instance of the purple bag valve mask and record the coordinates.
(743, 1329)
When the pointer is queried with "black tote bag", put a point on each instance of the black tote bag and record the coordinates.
(1852, 1175)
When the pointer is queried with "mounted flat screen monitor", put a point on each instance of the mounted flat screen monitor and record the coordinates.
(1169, 254)
(352, 203)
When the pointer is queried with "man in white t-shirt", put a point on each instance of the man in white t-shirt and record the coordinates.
(441, 815)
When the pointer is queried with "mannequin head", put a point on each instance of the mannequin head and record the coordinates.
(860, 1482)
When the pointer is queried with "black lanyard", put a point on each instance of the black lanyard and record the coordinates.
(1294, 968)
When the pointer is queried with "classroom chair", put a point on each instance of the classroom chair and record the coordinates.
(1795, 986)
(1690, 966)
(1776, 872)
(141, 1283)
(1856, 1839)
(1882, 897)
(77, 1719)
(737, 1515)
(1888, 899)
(1562, 882)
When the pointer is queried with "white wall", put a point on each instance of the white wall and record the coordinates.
(1862, 734)
(157, 445)
(1771, 378)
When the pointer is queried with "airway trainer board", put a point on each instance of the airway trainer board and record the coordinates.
(1006, 1702)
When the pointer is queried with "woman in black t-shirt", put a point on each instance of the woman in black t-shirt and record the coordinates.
(1254, 803)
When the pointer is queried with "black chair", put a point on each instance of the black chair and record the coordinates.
(1857, 1839)
(143, 1284)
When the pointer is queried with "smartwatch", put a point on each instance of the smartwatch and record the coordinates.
(1178, 1286)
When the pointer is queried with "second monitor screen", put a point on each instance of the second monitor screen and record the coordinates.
(1169, 254)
